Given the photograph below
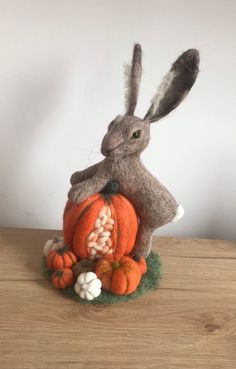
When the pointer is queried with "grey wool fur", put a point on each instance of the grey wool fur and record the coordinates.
(134, 79)
(126, 138)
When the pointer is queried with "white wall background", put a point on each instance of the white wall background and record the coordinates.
(61, 82)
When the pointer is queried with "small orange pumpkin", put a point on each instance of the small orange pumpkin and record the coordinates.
(119, 274)
(104, 224)
(62, 258)
(63, 278)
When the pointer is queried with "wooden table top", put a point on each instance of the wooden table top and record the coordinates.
(189, 322)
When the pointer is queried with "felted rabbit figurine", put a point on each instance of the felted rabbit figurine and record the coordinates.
(122, 145)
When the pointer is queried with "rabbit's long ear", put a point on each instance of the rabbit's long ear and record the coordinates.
(133, 76)
(175, 85)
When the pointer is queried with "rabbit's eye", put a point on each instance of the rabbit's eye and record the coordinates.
(136, 134)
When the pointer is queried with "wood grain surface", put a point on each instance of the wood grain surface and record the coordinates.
(189, 322)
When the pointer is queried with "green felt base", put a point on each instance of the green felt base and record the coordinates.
(149, 281)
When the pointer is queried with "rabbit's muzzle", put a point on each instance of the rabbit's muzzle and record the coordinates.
(106, 149)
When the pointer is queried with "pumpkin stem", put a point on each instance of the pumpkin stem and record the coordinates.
(116, 265)
(111, 188)
(63, 250)
(59, 273)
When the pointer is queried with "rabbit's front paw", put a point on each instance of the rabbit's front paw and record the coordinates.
(75, 178)
(75, 193)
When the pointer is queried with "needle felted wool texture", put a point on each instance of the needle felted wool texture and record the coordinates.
(126, 138)
(149, 281)
(119, 274)
(105, 223)
(63, 278)
(63, 258)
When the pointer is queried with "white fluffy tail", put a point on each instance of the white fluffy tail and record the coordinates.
(179, 214)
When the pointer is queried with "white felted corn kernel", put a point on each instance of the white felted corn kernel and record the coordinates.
(92, 244)
(91, 236)
(103, 211)
(95, 237)
(100, 229)
(109, 212)
(106, 234)
(100, 247)
(88, 286)
(102, 240)
(98, 223)
(103, 220)
(110, 221)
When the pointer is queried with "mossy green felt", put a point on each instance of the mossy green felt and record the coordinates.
(149, 281)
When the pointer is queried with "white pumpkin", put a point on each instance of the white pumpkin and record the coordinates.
(88, 286)
(56, 244)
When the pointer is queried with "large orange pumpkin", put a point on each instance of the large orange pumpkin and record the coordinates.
(119, 274)
(104, 224)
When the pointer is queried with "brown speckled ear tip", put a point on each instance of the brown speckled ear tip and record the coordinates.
(188, 62)
(175, 85)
